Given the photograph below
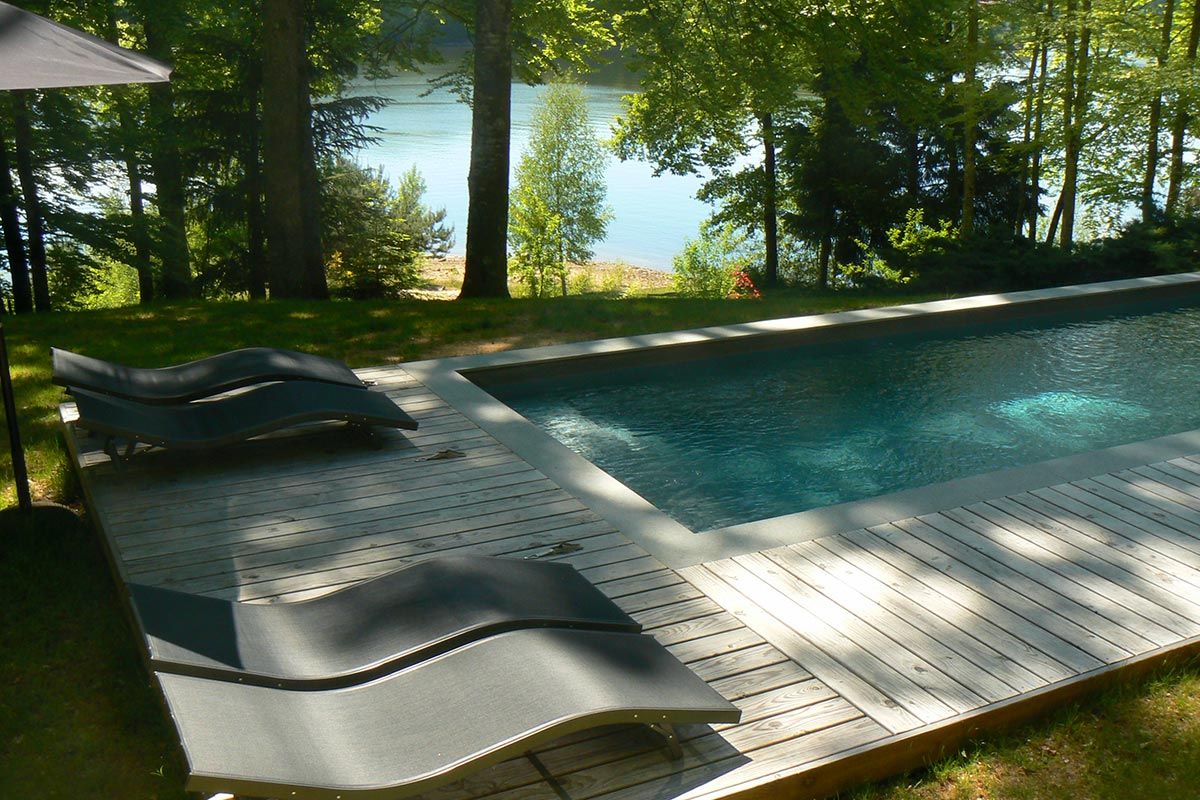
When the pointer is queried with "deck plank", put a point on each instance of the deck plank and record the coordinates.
(977, 666)
(739, 591)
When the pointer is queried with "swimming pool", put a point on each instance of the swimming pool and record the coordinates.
(728, 440)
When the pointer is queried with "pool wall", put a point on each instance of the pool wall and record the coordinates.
(463, 383)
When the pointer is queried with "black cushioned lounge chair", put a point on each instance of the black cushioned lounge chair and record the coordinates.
(226, 420)
(196, 379)
(433, 722)
(368, 629)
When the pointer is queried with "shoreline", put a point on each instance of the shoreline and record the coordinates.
(442, 277)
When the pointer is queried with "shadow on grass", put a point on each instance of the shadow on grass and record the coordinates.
(80, 717)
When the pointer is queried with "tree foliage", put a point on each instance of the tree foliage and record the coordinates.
(374, 232)
(558, 207)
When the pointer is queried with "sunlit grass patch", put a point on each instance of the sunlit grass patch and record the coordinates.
(1138, 740)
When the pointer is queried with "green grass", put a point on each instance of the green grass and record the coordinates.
(78, 716)
(362, 334)
(1134, 741)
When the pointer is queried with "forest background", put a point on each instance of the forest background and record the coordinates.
(949, 145)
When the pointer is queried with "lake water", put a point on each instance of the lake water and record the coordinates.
(652, 215)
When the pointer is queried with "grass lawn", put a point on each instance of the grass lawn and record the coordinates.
(78, 716)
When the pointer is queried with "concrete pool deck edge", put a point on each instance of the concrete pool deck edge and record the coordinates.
(678, 546)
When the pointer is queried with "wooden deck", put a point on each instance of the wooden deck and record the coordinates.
(851, 656)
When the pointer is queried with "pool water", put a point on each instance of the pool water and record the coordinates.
(729, 440)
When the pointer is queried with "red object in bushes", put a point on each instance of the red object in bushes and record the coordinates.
(743, 287)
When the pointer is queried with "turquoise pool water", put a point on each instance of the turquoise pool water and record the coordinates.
(730, 440)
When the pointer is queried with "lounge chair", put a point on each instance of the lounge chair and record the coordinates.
(196, 379)
(433, 722)
(368, 629)
(226, 420)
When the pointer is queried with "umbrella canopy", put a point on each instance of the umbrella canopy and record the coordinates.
(37, 53)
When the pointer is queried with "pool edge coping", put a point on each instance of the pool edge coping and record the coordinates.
(678, 546)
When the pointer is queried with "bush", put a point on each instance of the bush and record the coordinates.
(374, 232)
(994, 263)
(708, 265)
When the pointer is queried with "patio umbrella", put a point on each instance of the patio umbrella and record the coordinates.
(37, 53)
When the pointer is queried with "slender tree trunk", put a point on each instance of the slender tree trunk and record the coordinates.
(912, 153)
(1035, 84)
(486, 273)
(1052, 228)
(137, 212)
(1027, 135)
(1155, 123)
(256, 237)
(133, 173)
(170, 195)
(770, 201)
(35, 225)
(1074, 105)
(295, 262)
(1182, 117)
(1035, 166)
(970, 121)
(18, 266)
(824, 255)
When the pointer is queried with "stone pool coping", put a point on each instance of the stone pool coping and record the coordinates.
(457, 381)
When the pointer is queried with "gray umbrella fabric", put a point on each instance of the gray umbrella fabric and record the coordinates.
(37, 53)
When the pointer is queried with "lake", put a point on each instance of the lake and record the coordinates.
(652, 216)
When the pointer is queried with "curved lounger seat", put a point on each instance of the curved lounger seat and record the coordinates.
(226, 420)
(196, 379)
(368, 629)
(434, 722)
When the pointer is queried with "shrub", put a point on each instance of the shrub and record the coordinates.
(706, 267)
(374, 232)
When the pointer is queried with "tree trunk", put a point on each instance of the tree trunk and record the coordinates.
(1155, 124)
(133, 173)
(1031, 142)
(14, 245)
(770, 202)
(137, 211)
(167, 164)
(35, 226)
(1027, 136)
(824, 254)
(486, 273)
(256, 247)
(912, 155)
(970, 122)
(1035, 165)
(294, 260)
(1074, 104)
(1182, 116)
(1052, 228)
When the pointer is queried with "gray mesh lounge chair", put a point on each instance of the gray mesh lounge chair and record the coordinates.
(215, 423)
(434, 722)
(368, 629)
(196, 379)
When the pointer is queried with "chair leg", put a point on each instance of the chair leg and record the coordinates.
(114, 455)
(667, 731)
(368, 434)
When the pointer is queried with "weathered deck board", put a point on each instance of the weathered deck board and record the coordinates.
(905, 633)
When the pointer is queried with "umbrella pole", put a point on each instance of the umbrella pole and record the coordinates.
(14, 433)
